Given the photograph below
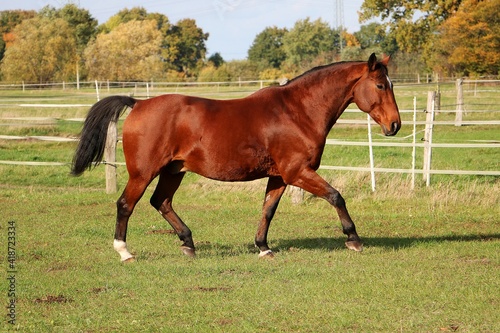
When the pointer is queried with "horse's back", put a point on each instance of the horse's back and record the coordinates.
(219, 139)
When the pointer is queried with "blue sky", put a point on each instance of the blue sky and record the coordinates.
(232, 24)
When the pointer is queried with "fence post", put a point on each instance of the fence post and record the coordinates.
(437, 99)
(77, 76)
(460, 102)
(296, 194)
(110, 158)
(97, 90)
(370, 150)
(414, 149)
(429, 124)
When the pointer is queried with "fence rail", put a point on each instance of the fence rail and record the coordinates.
(335, 142)
(428, 145)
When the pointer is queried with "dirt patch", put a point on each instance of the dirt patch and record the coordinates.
(50, 299)
(208, 289)
(160, 232)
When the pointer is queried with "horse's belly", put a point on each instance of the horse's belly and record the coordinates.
(232, 169)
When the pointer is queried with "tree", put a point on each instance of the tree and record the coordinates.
(241, 70)
(84, 26)
(216, 59)
(267, 47)
(212, 74)
(306, 40)
(10, 18)
(8, 21)
(411, 23)
(470, 39)
(124, 16)
(370, 35)
(131, 51)
(43, 50)
(80, 20)
(135, 14)
(186, 47)
(183, 45)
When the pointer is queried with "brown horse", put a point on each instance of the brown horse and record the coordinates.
(278, 132)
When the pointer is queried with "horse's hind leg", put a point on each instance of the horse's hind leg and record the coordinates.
(161, 200)
(274, 191)
(125, 206)
(310, 181)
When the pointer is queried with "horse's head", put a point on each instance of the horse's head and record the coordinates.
(373, 94)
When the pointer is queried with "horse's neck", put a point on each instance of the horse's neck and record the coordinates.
(325, 94)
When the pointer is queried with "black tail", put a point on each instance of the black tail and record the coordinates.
(93, 137)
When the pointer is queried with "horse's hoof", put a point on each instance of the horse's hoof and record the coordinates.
(129, 260)
(266, 254)
(354, 245)
(188, 251)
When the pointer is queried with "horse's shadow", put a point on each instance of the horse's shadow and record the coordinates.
(388, 243)
(337, 243)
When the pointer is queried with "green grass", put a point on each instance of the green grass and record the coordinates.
(431, 261)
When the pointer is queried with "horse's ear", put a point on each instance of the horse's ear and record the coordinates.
(385, 61)
(372, 62)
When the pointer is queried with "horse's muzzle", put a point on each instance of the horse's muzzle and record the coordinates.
(395, 126)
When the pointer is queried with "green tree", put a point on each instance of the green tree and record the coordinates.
(267, 47)
(43, 50)
(131, 51)
(241, 70)
(469, 41)
(216, 59)
(370, 35)
(186, 47)
(80, 20)
(307, 40)
(84, 26)
(10, 18)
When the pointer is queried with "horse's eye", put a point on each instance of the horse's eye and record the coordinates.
(380, 86)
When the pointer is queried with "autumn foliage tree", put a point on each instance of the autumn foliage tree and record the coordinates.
(42, 50)
(183, 46)
(469, 41)
(8, 21)
(131, 51)
(411, 23)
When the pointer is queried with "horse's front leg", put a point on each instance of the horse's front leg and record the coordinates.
(274, 191)
(311, 182)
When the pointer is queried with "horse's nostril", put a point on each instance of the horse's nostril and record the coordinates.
(395, 127)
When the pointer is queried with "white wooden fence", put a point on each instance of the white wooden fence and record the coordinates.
(428, 145)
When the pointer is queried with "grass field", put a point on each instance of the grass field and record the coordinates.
(431, 261)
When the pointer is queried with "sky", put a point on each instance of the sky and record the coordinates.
(232, 24)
